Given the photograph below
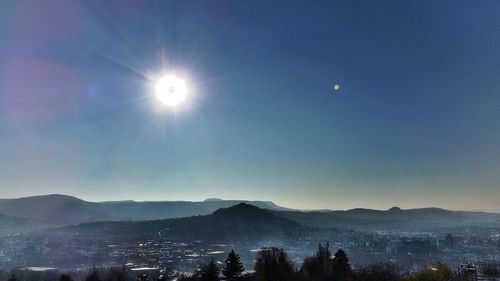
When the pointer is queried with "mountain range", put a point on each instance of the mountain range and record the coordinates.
(52, 211)
(58, 209)
(395, 219)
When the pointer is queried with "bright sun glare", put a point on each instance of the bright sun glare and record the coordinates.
(171, 90)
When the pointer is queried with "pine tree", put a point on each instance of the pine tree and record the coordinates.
(117, 274)
(341, 268)
(273, 264)
(94, 276)
(209, 272)
(12, 277)
(318, 267)
(234, 268)
(65, 277)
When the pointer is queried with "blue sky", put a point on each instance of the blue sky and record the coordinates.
(415, 123)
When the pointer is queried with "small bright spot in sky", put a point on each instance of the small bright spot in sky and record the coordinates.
(171, 90)
(336, 87)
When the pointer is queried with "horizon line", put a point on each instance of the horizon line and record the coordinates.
(208, 199)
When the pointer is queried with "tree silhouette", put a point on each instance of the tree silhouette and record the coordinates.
(234, 268)
(186, 278)
(378, 272)
(12, 277)
(440, 272)
(273, 265)
(93, 276)
(209, 272)
(117, 274)
(65, 277)
(491, 270)
(142, 277)
(341, 269)
(318, 267)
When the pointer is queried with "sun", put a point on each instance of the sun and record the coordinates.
(171, 90)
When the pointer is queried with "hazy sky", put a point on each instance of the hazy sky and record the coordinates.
(416, 123)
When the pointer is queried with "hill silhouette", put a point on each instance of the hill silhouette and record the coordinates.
(58, 210)
(49, 211)
(242, 222)
(53, 209)
(394, 219)
(242, 210)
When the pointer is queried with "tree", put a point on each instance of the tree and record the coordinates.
(341, 269)
(117, 274)
(439, 272)
(65, 277)
(142, 277)
(234, 268)
(378, 272)
(184, 278)
(209, 272)
(286, 269)
(12, 277)
(93, 276)
(318, 267)
(273, 264)
(491, 270)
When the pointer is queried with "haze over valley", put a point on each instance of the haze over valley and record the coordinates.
(70, 233)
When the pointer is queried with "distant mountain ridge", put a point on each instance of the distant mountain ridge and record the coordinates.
(48, 211)
(394, 219)
(56, 209)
